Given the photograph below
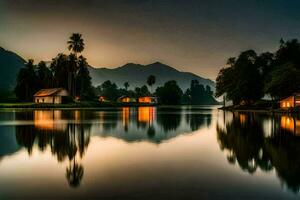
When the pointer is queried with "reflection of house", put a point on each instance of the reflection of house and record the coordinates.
(126, 99)
(148, 100)
(290, 124)
(49, 120)
(291, 101)
(52, 95)
(146, 114)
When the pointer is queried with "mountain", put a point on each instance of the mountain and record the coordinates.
(137, 74)
(10, 64)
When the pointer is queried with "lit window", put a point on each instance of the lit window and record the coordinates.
(288, 104)
(283, 104)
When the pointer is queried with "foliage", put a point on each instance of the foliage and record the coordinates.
(76, 43)
(27, 82)
(151, 81)
(197, 94)
(285, 80)
(66, 71)
(170, 93)
(126, 85)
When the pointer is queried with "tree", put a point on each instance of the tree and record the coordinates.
(170, 93)
(26, 82)
(60, 70)
(151, 81)
(76, 43)
(126, 85)
(109, 90)
(285, 80)
(44, 76)
(83, 80)
(242, 81)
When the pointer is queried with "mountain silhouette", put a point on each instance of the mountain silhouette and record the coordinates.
(10, 64)
(136, 75)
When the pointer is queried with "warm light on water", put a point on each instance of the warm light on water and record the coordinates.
(147, 153)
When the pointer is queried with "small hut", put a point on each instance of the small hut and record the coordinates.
(126, 99)
(291, 101)
(51, 95)
(148, 100)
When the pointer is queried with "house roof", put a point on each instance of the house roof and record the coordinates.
(296, 94)
(47, 92)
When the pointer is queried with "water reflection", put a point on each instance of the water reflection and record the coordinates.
(67, 133)
(266, 142)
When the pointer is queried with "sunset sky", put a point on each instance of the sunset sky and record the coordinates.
(190, 35)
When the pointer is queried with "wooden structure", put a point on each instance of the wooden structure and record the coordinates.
(148, 100)
(126, 99)
(291, 101)
(51, 95)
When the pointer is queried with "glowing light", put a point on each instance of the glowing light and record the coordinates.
(146, 114)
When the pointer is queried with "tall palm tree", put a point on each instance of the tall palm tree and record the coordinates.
(126, 85)
(76, 43)
(151, 81)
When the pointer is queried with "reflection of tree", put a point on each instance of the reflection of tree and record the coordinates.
(197, 120)
(110, 121)
(169, 122)
(74, 173)
(285, 155)
(64, 143)
(244, 139)
(151, 132)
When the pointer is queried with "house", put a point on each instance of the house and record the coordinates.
(291, 101)
(148, 100)
(102, 99)
(126, 99)
(51, 95)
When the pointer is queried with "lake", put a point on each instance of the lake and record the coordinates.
(187, 152)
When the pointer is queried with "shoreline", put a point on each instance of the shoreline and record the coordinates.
(261, 110)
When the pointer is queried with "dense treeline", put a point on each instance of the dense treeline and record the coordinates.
(66, 71)
(249, 77)
(170, 93)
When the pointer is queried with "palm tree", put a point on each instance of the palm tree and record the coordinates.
(76, 43)
(151, 81)
(126, 85)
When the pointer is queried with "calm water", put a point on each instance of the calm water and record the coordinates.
(148, 153)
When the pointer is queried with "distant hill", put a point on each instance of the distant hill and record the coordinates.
(137, 74)
(10, 64)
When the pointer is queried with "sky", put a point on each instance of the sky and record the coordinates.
(190, 35)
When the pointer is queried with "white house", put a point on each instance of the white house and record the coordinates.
(51, 95)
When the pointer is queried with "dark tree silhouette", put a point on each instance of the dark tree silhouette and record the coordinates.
(151, 81)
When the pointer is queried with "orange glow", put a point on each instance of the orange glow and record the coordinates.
(47, 120)
(290, 124)
(101, 98)
(287, 103)
(146, 114)
(125, 116)
(125, 100)
(147, 100)
(144, 100)
(242, 118)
